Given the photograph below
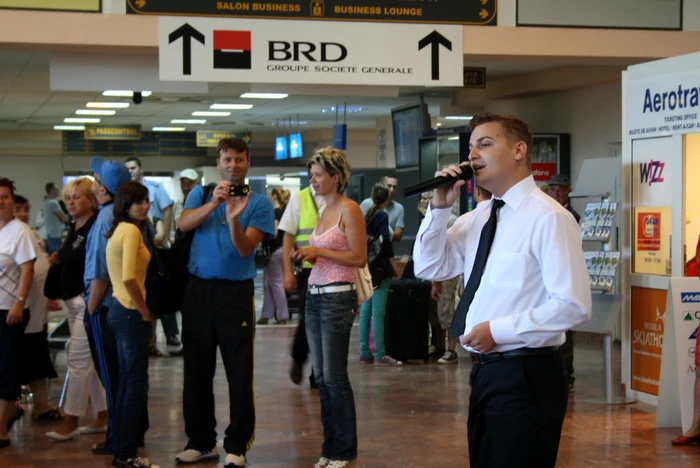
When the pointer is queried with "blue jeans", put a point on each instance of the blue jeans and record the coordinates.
(329, 319)
(133, 336)
(375, 309)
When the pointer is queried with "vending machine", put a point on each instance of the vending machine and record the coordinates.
(551, 154)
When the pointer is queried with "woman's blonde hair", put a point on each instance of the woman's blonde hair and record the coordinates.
(281, 197)
(83, 185)
(334, 162)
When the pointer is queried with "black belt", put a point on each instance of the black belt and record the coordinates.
(479, 358)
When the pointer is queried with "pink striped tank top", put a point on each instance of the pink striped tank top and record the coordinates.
(325, 271)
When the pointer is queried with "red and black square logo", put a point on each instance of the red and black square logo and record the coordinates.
(232, 50)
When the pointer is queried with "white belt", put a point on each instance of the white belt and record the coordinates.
(331, 289)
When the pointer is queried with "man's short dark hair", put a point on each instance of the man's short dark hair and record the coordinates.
(9, 184)
(515, 129)
(49, 187)
(390, 175)
(234, 144)
(134, 159)
(20, 200)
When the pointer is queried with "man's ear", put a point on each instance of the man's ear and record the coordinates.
(520, 151)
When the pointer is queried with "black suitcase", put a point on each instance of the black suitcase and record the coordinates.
(406, 322)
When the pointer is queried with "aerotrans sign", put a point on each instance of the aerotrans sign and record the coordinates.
(664, 106)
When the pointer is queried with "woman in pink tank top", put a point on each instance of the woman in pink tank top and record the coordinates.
(338, 249)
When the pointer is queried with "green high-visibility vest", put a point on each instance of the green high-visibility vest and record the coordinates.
(308, 217)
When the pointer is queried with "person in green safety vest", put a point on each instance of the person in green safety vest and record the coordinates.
(298, 222)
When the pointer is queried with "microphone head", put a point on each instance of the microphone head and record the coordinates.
(467, 173)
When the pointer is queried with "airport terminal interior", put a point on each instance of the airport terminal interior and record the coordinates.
(165, 82)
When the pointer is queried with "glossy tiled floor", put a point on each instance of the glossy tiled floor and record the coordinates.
(411, 416)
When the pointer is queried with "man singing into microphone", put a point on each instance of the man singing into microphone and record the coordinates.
(526, 283)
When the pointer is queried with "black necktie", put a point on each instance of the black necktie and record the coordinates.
(482, 253)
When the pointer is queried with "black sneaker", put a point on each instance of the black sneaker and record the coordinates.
(137, 462)
(102, 449)
(295, 373)
(173, 341)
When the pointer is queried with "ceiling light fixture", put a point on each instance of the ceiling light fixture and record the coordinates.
(210, 114)
(188, 121)
(81, 120)
(286, 123)
(264, 95)
(349, 109)
(232, 106)
(124, 93)
(69, 127)
(168, 129)
(458, 117)
(95, 112)
(107, 105)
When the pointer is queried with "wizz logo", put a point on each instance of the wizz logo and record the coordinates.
(651, 172)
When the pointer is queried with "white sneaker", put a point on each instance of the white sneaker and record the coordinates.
(338, 464)
(234, 461)
(137, 462)
(450, 357)
(322, 462)
(195, 456)
(53, 435)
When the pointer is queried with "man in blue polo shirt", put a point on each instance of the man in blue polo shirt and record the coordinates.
(108, 177)
(217, 308)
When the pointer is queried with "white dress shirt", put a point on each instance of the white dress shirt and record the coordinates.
(535, 285)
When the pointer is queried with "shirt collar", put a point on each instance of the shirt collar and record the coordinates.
(517, 194)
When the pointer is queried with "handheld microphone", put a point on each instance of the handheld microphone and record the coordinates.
(437, 182)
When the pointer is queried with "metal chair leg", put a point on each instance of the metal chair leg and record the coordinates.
(63, 392)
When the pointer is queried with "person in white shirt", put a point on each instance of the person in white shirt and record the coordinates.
(517, 306)
(188, 180)
(444, 291)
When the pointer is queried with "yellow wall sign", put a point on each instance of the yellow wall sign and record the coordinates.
(113, 132)
(211, 139)
(56, 5)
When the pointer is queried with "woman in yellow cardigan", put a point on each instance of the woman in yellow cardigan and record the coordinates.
(129, 318)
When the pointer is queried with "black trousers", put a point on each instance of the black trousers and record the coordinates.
(11, 356)
(170, 328)
(218, 313)
(300, 345)
(103, 348)
(567, 355)
(516, 412)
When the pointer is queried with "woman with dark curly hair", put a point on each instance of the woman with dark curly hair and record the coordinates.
(129, 318)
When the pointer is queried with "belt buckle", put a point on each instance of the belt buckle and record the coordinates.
(480, 358)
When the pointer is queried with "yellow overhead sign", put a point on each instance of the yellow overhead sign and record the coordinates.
(113, 132)
(59, 5)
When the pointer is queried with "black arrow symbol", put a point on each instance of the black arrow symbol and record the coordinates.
(187, 33)
(435, 39)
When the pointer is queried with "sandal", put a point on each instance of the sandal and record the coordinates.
(51, 415)
(18, 414)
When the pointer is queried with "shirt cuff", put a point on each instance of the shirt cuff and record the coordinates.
(503, 331)
(438, 215)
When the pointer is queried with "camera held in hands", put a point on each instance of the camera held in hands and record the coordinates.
(238, 190)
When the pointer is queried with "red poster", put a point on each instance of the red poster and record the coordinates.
(649, 231)
(543, 171)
